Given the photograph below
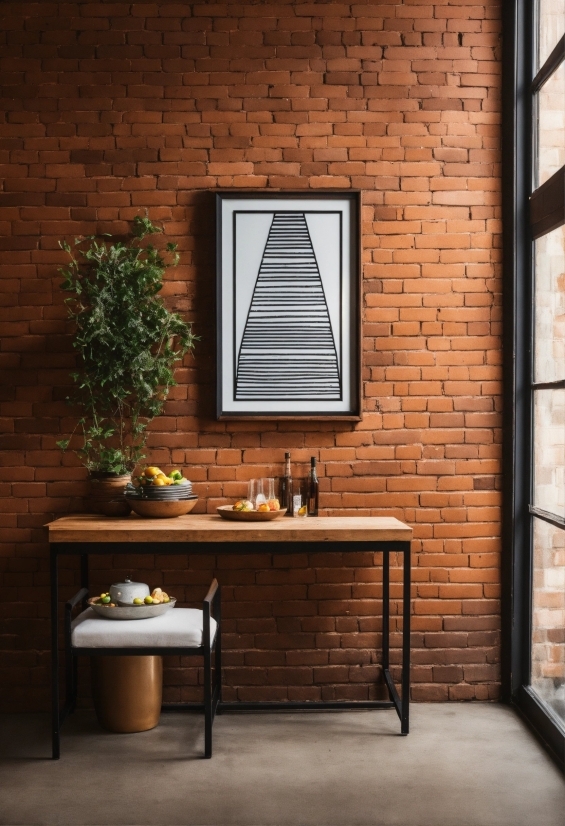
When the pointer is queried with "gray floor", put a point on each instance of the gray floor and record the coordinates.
(462, 765)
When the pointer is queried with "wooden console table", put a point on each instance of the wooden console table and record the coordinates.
(209, 534)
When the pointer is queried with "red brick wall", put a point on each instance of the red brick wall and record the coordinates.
(111, 108)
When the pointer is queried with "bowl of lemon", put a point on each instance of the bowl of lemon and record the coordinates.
(160, 495)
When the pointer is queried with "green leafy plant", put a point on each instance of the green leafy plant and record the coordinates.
(128, 343)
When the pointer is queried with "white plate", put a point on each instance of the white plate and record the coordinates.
(131, 612)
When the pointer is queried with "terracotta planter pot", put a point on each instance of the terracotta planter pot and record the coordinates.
(106, 494)
(127, 691)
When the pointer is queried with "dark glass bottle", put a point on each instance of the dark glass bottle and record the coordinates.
(285, 489)
(313, 489)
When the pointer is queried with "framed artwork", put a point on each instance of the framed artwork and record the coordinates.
(288, 304)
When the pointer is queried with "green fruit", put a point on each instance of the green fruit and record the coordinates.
(148, 600)
(106, 599)
(138, 601)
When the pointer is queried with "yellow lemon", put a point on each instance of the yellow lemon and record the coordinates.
(152, 471)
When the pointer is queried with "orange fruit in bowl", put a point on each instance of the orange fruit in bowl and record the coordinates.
(263, 508)
(274, 505)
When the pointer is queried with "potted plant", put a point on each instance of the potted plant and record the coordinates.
(127, 342)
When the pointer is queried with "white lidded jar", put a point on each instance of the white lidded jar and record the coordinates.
(127, 591)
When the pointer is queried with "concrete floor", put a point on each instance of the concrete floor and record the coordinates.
(462, 765)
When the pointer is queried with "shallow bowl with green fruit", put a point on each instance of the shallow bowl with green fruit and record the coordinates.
(129, 611)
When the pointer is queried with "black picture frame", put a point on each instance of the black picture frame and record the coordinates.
(274, 251)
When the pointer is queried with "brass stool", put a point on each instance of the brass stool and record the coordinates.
(127, 692)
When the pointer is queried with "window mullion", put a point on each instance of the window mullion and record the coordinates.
(550, 65)
(558, 384)
(547, 205)
(547, 516)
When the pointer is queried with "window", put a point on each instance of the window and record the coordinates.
(547, 501)
(534, 192)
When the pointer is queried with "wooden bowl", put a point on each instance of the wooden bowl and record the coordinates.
(227, 512)
(155, 509)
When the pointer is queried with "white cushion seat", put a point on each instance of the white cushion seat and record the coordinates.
(177, 628)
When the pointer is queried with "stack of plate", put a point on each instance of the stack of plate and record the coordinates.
(165, 493)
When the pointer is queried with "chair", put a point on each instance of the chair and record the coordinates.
(180, 631)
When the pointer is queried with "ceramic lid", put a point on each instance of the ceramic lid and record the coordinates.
(127, 590)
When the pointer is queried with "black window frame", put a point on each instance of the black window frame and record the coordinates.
(526, 215)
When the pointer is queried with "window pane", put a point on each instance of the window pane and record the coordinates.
(551, 125)
(549, 450)
(551, 27)
(548, 619)
(549, 302)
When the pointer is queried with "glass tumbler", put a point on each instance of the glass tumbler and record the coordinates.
(268, 488)
(254, 489)
(300, 498)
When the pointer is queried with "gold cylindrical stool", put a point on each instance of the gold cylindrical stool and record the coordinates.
(127, 692)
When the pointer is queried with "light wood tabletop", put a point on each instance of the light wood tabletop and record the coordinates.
(212, 528)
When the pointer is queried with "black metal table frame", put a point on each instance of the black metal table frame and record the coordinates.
(399, 702)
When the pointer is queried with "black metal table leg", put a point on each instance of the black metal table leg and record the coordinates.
(84, 583)
(208, 712)
(84, 571)
(404, 719)
(386, 610)
(55, 717)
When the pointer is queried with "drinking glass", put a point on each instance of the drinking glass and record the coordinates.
(260, 491)
(268, 487)
(254, 489)
(300, 497)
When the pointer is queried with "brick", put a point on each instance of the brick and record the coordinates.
(158, 101)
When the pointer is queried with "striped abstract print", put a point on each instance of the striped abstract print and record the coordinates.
(288, 350)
